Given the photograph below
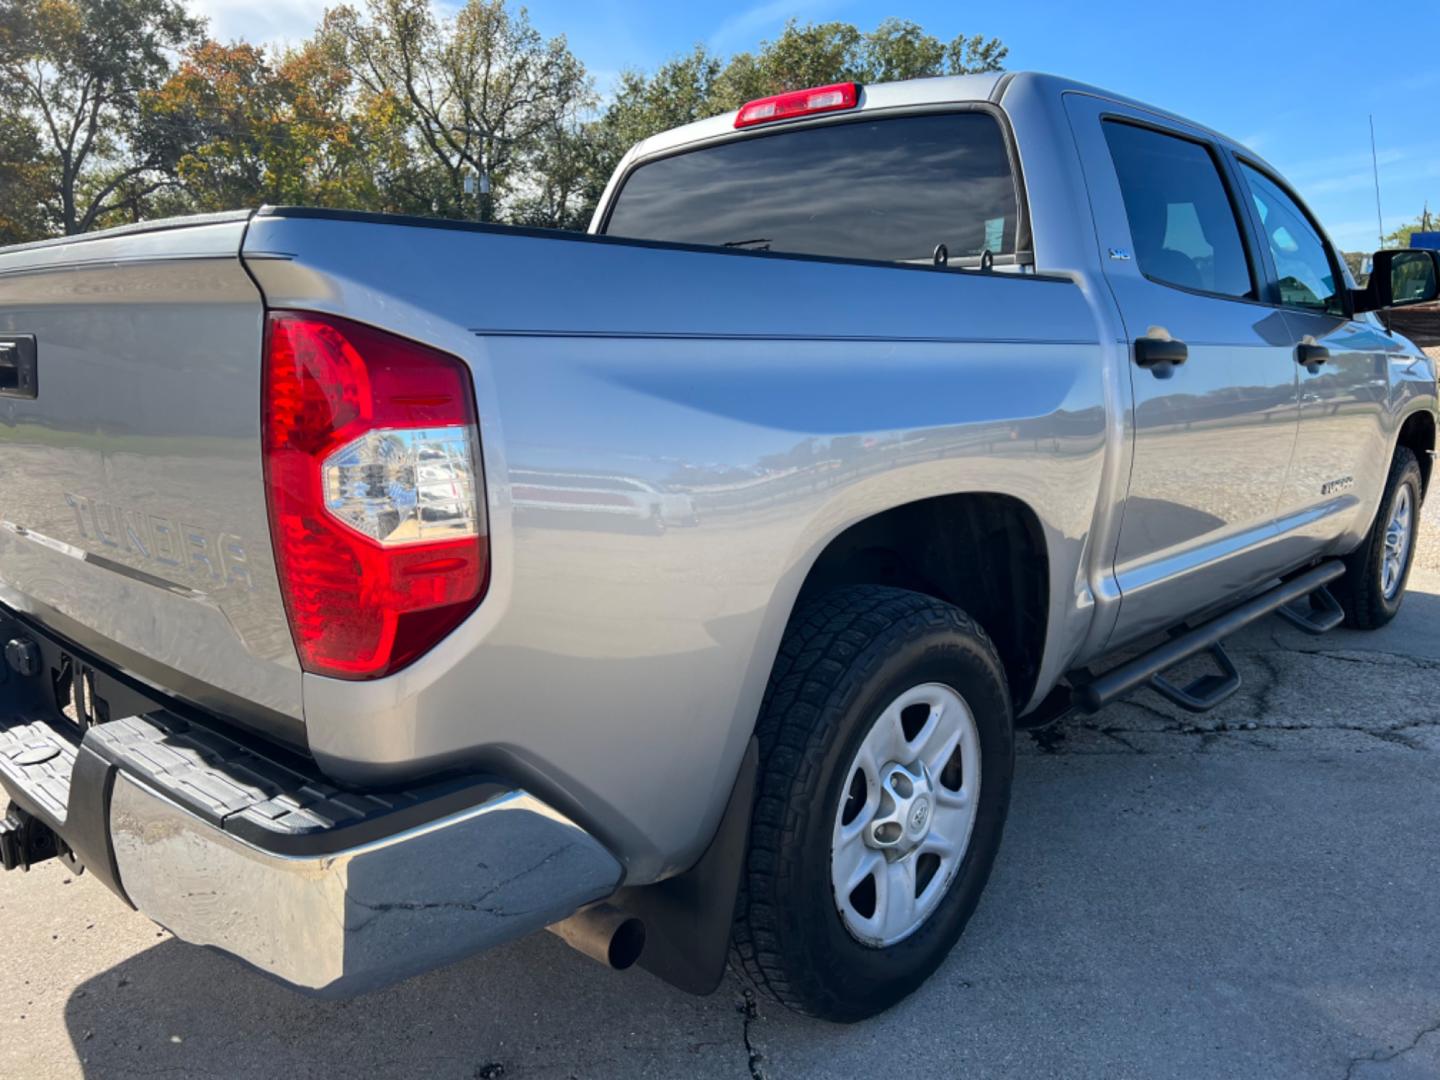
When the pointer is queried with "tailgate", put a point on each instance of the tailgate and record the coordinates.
(132, 502)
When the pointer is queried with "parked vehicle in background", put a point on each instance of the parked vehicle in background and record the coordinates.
(332, 640)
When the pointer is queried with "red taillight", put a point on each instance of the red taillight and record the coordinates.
(376, 500)
(821, 99)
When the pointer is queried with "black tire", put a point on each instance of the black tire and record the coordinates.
(1360, 591)
(845, 657)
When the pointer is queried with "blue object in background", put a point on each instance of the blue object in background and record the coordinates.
(1429, 241)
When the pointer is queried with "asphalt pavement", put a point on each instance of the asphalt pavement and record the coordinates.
(1250, 893)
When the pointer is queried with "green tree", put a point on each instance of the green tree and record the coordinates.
(564, 182)
(818, 53)
(681, 91)
(479, 92)
(1426, 222)
(78, 72)
(22, 179)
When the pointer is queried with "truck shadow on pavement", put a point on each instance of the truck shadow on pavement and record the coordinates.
(532, 1008)
(1248, 892)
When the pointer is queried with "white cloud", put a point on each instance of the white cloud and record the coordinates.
(272, 22)
(744, 30)
(1414, 171)
(1355, 162)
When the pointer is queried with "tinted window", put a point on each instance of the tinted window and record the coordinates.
(1182, 223)
(1302, 264)
(881, 189)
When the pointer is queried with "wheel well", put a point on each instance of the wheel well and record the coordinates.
(983, 553)
(1418, 433)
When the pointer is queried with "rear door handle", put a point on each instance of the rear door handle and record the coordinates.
(1310, 357)
(1160, 356)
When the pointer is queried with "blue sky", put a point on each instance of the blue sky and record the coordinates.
(1298, 89)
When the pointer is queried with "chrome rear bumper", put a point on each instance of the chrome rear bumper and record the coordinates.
(246, 848)
(359, 918)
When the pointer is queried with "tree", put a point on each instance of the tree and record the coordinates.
(1357, 261)
(1426, 222)
(818, 53)
(22, 179)
(480, 92)
(252, 129)
(561, 188)
(78, 70)
(681, 91)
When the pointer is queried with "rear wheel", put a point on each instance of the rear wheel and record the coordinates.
(887, 753)
(1377, 571)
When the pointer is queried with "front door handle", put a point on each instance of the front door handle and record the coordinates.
(1160, 356)
(1310, 357)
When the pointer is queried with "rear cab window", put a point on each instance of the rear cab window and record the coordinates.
(891, 189)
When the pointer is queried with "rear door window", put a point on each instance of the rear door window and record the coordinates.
(1182, 221)
(891, 190)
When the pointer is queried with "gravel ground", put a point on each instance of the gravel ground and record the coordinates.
(1251, 892)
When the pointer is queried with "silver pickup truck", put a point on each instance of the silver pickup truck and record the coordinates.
(376, 590)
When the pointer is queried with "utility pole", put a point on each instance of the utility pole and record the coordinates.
(484, 192)
(480, 135)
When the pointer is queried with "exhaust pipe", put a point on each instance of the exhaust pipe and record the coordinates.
(604, 933)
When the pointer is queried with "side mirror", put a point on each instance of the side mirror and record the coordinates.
(1399, 279)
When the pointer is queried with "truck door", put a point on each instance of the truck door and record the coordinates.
(1342, 453)
(1213, 373)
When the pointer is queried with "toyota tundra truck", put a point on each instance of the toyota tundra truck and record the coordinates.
(374, 590)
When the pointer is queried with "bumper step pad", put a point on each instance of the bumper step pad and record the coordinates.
(279, 805)
(39, 759)
(275, 801)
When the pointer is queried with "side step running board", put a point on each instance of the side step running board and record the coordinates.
(1324, 614)
(1209, 690)
(1205, 692)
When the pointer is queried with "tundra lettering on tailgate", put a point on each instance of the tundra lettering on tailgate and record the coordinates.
(163, 541)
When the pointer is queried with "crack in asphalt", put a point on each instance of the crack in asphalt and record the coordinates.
(1365, 657)
(1394, 734)
(1052, 740)
(1260, 692)
(749, 1009)
(1116, 735)
(1146, 707)
(1265, 696)
(1379, 1057)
